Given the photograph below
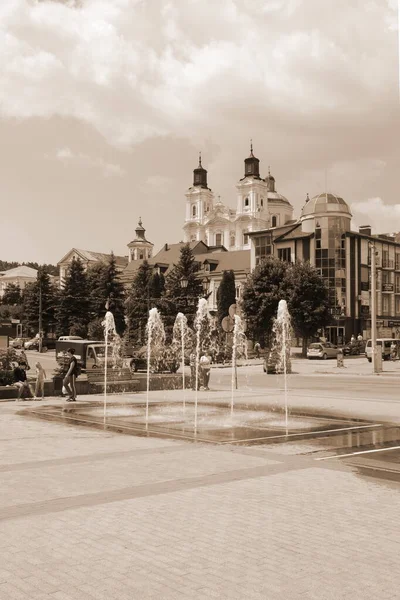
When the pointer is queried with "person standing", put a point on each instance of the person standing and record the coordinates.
(40, 378)
(70, 377)
(257, 348)
(192, 362)
(205, 367)
(359, 337)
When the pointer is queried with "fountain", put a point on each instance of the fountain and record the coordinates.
(155, 344)
(109, 330)
(282, 331)
(200, 320)
(239, 348)
(179, 334)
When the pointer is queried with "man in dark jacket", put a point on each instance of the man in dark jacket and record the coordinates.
(21, 382)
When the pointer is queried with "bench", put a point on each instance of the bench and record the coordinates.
(117, 380)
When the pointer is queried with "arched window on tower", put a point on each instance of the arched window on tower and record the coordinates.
(193, 210)
(273, 221)
(262, 202)
(218, 239)
(246, 202)
(141, 255)
(233, 240)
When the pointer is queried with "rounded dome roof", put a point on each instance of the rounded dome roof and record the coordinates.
(275, 197)
(325, 203)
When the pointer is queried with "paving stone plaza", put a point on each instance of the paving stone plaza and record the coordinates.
(92, 514)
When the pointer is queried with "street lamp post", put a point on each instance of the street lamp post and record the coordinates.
(373, 307)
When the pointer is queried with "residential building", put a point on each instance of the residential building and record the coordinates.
(323, 236)
(20, 276)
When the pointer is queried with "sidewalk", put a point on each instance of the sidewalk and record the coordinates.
(89, 514)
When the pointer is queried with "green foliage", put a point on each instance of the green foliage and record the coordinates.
(8, 311)
(12, 294)
(95, 329)
(299, 284)
(308, 300)
(7, 357)
(31, 300)
(226, 295)
(72, 313)
(6, 266)
(262, 292)
(186, 268)
(6, 377)
(104, 283)
(137, 304)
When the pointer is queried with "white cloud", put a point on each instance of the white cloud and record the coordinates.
(135, 70)
(66, 155)
(383, 218)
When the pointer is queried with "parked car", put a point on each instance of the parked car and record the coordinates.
(66, 338)
(17, 343)
(47, 344)
(354, 348)
(322, 350)
(163, 363)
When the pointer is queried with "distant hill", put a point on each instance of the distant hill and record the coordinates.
(5, 266)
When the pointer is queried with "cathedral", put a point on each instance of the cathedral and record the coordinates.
(259, 206)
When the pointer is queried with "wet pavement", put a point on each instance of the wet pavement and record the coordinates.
(87, 513)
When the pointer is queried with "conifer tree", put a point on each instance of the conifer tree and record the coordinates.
(104, 284)
(137, 304)
(185, 268)
(73, 309)
(31, 300)
(226, 295)
(12, 294)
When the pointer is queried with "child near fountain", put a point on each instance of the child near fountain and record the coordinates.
(205, 367)
(40, 377)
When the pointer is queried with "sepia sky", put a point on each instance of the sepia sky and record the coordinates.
(104, 105)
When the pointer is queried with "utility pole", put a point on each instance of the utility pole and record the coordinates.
(40, 317)
(373, 308)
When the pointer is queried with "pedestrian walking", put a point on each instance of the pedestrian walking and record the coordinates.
(257, 349)
(393, 350)
(70, 377)
(205, 367)
(21, 381)
(359, 337)
(40, 378)
(192, 362)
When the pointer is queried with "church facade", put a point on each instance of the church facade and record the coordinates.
(259, 206)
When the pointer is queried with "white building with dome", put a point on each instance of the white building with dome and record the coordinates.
(258, 206)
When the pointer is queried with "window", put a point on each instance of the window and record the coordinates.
(193, 210)
(262, 202)
(263, 247)
(397, 305)
(246, 202)
(245, 238)
(385, 304)
(233, 240)
(284, 254)
(141, 255)
(193, 238)
(274, 221)
(238, 291)
(218, 239)
(397, 261)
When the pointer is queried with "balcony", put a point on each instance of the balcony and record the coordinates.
(387, 263)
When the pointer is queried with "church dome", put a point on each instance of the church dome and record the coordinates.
(325, 204)
(274, 197)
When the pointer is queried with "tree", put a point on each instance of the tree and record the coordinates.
(137, 304)
(186, 268)
(308, 300)
(262, 292)
(226, 295)
(12, 294)
(73, 309)
(104, 284)
(31, 303)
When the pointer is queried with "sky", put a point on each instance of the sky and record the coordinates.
(104, 107)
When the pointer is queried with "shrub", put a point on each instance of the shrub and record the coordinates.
(6, 377)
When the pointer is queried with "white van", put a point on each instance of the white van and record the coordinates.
(66, 338)
(385, 344)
